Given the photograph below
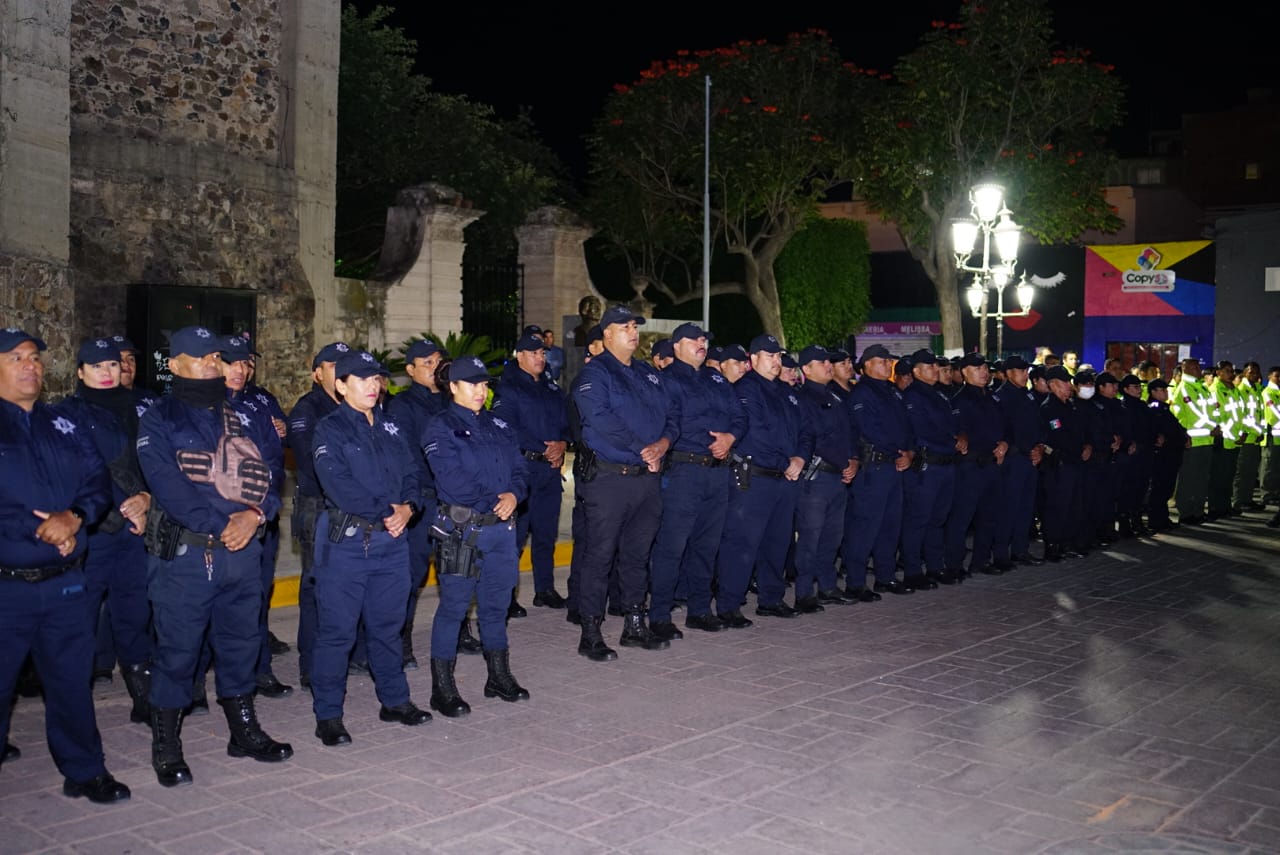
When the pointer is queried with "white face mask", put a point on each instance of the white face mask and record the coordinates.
(1086, 392)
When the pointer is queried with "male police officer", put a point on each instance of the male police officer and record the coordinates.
(308, 501)
(708, 418)
(202, 457)
(534, 406)
(978, 479)
(52, 483)
(1170, 443)
(1192, 405)
(1067, 446)
(1019, 474)
(625, 424)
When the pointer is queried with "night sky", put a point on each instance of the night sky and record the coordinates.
(562, 65)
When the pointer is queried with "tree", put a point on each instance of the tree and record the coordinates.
(782, 116)
(989, 96)
(394, 131)
(824, 281)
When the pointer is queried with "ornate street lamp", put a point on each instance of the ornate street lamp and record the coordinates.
(994, 222)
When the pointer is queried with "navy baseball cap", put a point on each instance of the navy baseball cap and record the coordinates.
(619, 315)
(789, 361)
(715, 352)
(596, 333)
(235, 348)
(1157, 384)
(903, 366)
(733, 351)
(766, 343)
(972, 360)
(814, 353)
(195, 341)
(1130, 380)
(11, 337)
(1087, 378)
(662, 347)
(1016, 362)
(532, 329)
(421, 349)
(875, 351)
(1037, 372)
(1107, 377)
(838, 355)
(95, 350)
(1058, 372)
(690, 330)
(124, 343)
(924, 356)
(360, 363)
(530, 341)
(467, 369)
(332, 352)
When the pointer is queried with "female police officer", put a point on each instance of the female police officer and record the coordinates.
(480, 478)
(361, 558)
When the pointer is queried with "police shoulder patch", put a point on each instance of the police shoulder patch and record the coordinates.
(500, 423)
(431, 448)
(391, 427)
(143, 441)
(321, 450)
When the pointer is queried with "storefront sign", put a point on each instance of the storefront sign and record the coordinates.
(903, 328)
(1146, 281)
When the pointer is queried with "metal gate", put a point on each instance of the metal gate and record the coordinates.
(493, 302)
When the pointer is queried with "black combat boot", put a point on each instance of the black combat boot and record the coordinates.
(1126, 525)
(500, 683)
(592, 644)
(166, 748)
(247, 736)
(408, 662)
(635, 633)
(137, 680)
(468, 643)
(444, 692)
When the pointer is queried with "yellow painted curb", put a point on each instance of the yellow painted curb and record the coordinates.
(285, 591)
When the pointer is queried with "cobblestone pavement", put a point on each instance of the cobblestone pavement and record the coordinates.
(1129, 702)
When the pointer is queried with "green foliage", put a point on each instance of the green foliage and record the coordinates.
(782, 121)
(463, 344)
(394, 132)
(824, 280)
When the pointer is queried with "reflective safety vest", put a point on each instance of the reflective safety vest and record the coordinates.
(1271, 410)
(1227, 412)
(1250, 412)
(1193, 406)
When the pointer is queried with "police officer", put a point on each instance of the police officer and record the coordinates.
(1067, 447)
(412, 409)
(1121, 469)
(1269, 473)
(1020, 473)
(52, 483)
(308, 500)
(1171, 442)
(1229, 438)
(929, 485)
(116, 566)
(886, 451)
(978, 479)
(1099, 469)
(841, 373)
(823, 484)
(1192, 405)
(237, 371)
(708, 418)
(759, 523)
(583, 462)
(362, 557)
(1135, 482)
(661, 354)
(481, 477)
(201, 455)
(1252, 433)
(533, 405)
(734, 363)
(625, 424)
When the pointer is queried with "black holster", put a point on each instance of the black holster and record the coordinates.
(303, 519)
(161, 536)
(584, 464)
(456, 552)
(741, 468)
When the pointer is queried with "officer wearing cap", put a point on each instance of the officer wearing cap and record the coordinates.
(237, 370)
(116, 566)
(1120, 471)
(1193, 405)
(978, 478)
(555, 355)
(1039, 383)
(534, 406)
(1135, 479)
(583, 461)
(661, 354)
(1269, 470)
(886, 450)
(1170, 443)
(709, 419)
(1020, 473)
(1252, 432)
(841, 373)
(54, 483)
(626, 426)
(929, 485)
(790, 373)
(823, 484)
(361, 554)
(412, 409)
(769, 459)
(734, 362)
(211, 494)
(1067, 448)
(481, 478)
(1104, 436)
(308, 499)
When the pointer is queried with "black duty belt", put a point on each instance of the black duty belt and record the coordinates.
(872, 457)
(767, 473)
(200, 539)
(362, 523)
(466, 516)
(622, 468)
(699, 459)
(536, 456)
(940, 459)
(39, 574)
(824, 466)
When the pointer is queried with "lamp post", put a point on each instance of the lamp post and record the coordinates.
(994, 222)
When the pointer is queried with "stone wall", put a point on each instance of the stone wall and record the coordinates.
(35, 296)
(194, 71)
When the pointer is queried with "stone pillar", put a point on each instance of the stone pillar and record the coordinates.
(555, 268)
(421, 263)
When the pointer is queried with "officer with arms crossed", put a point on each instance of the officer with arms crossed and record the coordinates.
(211, 496)
(52, 482)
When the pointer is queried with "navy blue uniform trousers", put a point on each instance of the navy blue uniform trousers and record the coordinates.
(977, 488)
(1018, 506)
(623, 513)
(758, 530)
(116, 569)
(819, 530)
(874, 523)
(927, 495)
(694, 505)
(1062, 524)
(499, 563)
(539, 515)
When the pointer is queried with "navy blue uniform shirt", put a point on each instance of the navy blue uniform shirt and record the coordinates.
(700, 401)
(47, 463)
(1021, 416)
(979, 418)
(534, 407)
(776, 432)
(361, 466)
(880, 418)
(271, 445)
(307, 413)
(172, 425)
(932, 419)
(475, 458)
(413, 409)
(622, 407)
(829, 421)
(1064, 429)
